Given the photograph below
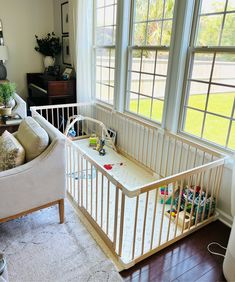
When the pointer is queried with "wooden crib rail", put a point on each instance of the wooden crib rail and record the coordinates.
(176, 177)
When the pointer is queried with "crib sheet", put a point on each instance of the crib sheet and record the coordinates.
(129, 174)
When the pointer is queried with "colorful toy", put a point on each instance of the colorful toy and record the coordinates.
(93, 140)
(165, 195)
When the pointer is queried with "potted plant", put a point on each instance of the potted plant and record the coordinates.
(7, 91)
(48, 46)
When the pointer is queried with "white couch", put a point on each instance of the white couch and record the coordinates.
(37, 184)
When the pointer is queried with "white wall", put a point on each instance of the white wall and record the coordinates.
(21, 20)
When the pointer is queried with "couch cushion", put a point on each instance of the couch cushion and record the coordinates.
(12, 153)
(32, 137)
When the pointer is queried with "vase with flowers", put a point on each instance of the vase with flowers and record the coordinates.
(49, 46)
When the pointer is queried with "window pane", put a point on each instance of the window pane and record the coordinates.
(148, 61)
(140, 33)
(157, 110)
(162, 62)
(104, 93)
(109, 15)
(98, 74)
(193, 122)
(221, 100)
(100, 17)
(112, 58)
(169, 8)
(135, 62)
(100, 3)
(98, 90)
(111, 95)
(209, 30)
(224, 69)
(216, 129)
(197, 95)
(141, 10)
(146, 84)
(154, 33)
(166, 33)
(202, 64)
(135, 78)
(133, 107)
(159, 87)
(111, 81)
(228, 38)
(212, 6)
(231, 5)
(156, 9)
(144, 106)
(231, 142)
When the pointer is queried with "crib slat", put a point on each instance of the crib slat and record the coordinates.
(121, 224)
(102, 199)
(135, 225)
(172, 201)
(154, 218)
(107, 219)
(86, 185)
(91, 194)
(162, 218)
(144, 224)
(200, 197)
(82, 203)
(74, 180)
(96, 196)
(70, 158)
(78, 181)
(115, 219)
(178, 206)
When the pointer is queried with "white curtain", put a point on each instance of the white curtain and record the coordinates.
(81, 30)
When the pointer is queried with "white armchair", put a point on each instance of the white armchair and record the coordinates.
(20, 107)
(37, 184)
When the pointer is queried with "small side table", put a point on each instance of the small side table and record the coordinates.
(11, 128)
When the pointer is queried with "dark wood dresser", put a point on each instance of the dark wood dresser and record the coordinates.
(48, 90)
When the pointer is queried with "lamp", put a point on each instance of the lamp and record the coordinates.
(3, 57)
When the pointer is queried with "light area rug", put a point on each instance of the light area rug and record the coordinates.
(39, 249)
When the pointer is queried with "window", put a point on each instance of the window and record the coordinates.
(148, 57)
(105, 49)
(209, 106)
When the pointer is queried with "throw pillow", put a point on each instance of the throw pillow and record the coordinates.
(32, 137)
(12, 153)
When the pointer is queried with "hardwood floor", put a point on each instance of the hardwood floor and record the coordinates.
(186, 260)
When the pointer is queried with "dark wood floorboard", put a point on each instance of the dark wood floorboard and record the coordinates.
(186, 260)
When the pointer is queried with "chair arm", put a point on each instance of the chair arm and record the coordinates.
(35, 183)
(20, 107)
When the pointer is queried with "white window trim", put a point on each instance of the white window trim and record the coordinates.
(188, 65)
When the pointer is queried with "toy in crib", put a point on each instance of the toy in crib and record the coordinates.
(165, 193)
(94, 141)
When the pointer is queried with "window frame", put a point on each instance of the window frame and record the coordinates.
(214, 50)
(155, 48)
(104, 47)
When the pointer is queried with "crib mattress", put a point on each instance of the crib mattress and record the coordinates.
(125, 171)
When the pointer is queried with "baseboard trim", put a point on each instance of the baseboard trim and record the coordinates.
(225, 218)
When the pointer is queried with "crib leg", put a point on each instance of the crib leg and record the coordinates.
(61, 210)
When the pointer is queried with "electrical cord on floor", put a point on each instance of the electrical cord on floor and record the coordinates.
(214, 253)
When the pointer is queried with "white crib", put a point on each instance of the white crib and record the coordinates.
(166, 188)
